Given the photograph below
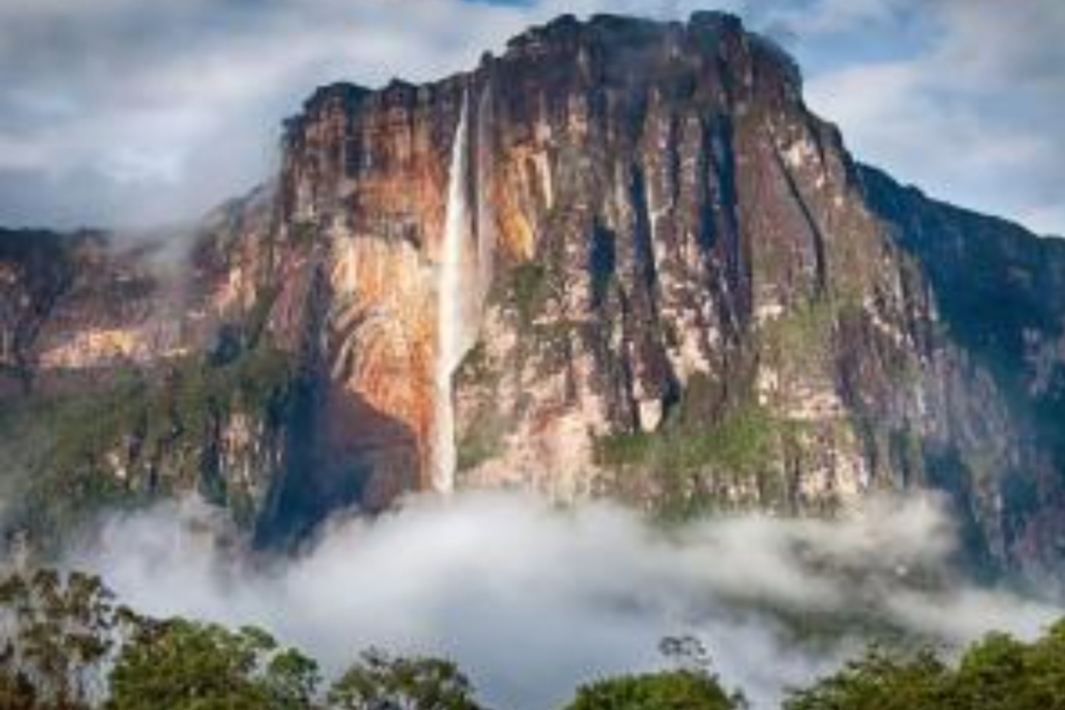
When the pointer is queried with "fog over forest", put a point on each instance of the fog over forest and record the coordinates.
(532, 599)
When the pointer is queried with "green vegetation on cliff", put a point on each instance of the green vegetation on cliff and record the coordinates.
(133, 436)
(482, 441)
(741, 441)
(687, 455)
(528, 290)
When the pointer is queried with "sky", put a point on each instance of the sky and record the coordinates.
(127, 113)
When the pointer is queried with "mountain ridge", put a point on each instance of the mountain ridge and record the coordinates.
(687, 295)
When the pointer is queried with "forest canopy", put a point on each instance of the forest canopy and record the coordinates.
(66, 644)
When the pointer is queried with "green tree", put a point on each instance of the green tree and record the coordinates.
(880, 681)
(61, 633)
(997, 673)
(1002, 673)
(684, 689)
(1046, 668)
(379, 681)
(184, 665)
(17, 692)
(993, 675)
(685, 653)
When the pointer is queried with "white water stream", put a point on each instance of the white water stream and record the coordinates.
(453, 313)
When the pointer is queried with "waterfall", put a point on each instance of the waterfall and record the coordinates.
(452, 316)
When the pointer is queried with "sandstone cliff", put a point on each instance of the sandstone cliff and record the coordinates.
(623, 259)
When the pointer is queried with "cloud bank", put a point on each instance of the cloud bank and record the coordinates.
(532, 599)
(125, 113)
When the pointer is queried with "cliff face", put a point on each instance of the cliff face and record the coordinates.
(122, 380)
(1000, 293)
(620, 259)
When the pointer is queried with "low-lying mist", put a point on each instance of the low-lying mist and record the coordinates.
(532, 599)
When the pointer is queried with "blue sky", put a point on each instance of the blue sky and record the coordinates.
(126, 112)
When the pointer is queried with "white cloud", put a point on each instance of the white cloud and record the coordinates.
(837, 16)
(973, 116)
(188, 100)
(532, 599)
(894, 114)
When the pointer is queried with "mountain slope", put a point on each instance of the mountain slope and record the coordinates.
(655, 274)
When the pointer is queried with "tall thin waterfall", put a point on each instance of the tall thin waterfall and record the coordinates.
(452, 319)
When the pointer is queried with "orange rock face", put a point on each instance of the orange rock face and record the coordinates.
(372, 182)
(383, 329)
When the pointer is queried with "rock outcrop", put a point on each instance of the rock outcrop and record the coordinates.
(674, 286)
